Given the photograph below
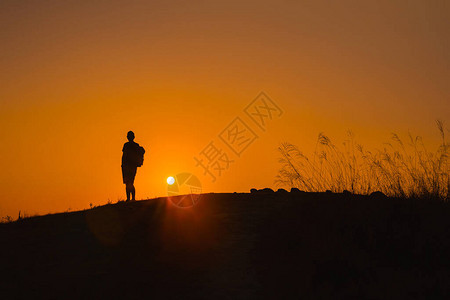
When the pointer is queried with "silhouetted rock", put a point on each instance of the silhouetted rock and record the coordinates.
(328, 192)
(295, 190)
(346, 193)
(378, 194)
(266, 190)
(253, 190)
(281, 191)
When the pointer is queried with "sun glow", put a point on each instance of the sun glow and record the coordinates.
(170, 180)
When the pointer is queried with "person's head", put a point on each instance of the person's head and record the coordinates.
(130, 136)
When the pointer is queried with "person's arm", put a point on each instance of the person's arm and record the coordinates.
(124, 153)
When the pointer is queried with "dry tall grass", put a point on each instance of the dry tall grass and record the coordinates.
(400, 169)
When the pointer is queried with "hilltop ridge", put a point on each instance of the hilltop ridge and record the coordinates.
(233, 245)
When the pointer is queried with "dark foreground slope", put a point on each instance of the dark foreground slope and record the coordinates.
(233, 246)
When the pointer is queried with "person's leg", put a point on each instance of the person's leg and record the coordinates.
(126, 180)
(133, 190)
(129, 189)
(133, 193)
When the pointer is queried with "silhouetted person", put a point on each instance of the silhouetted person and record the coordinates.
(132, 158)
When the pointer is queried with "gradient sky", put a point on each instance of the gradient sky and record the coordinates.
(77, 75)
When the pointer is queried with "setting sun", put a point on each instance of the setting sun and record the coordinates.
(170, 180)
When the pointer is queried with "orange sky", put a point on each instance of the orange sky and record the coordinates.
(77, 75)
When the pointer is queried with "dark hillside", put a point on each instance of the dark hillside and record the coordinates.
(233, 246)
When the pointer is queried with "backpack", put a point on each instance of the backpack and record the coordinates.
(140, 156)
